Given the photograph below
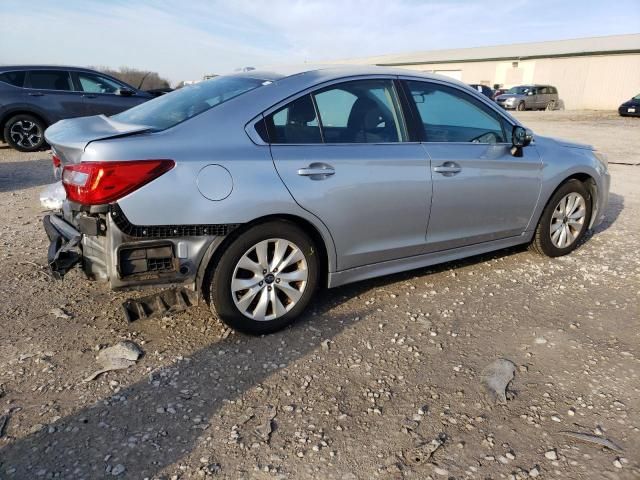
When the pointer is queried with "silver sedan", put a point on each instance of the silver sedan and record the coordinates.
(253, 190)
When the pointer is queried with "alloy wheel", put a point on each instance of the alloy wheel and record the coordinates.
(269, 279)
(26, 133)
(567, 221)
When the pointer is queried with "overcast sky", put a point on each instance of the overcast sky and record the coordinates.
(184, 39)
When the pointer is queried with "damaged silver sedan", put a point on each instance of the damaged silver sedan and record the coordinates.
(253, 190)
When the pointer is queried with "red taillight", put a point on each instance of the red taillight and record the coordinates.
(98, 183)
(56, 161)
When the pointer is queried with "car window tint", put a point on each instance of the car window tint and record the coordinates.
(13, 78)
(449, 115)
(97, 84)
(50, 80)
(296, 122)
(362, 111)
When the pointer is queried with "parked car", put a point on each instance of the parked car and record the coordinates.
(256, 189)
(529, 97)
(483, 89)
(34, 97)
(630, 108)
(499, 91)
(156, 92)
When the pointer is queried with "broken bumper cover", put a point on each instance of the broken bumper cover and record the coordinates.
(64, 247)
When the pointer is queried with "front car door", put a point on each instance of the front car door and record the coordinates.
(52, 91)
(101, 94)
(342, 152)
(481, 192)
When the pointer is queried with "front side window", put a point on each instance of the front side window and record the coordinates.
(92, 83)
(361, 111)
(13, 78)
(176, 107)
(50, 80)
(450, 115)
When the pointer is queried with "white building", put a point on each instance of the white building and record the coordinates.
(590, 73)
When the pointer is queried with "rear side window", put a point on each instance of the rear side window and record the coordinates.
(295, 123)
(176, 107)
(92, 83)
(13, 78)
(360, 111)
(450, 115)
(50, 80)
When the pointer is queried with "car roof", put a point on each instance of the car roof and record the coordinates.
(11, 68)
(331, 71)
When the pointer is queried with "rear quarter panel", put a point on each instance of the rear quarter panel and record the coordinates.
(216, 137)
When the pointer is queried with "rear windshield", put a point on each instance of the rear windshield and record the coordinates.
(175, 107)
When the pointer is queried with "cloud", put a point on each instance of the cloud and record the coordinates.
(184, 40)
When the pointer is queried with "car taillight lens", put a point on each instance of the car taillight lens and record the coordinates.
(98, 183)
(56, 161)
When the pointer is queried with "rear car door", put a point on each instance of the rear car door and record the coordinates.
(342, 152)
(52, 91)
(102, 95)
(481, 192)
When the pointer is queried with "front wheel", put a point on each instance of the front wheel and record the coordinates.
(25, 133)
(521, 106)
(265, 278)
(564, 221)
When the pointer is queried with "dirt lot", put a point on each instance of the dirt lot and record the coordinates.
(355, 390)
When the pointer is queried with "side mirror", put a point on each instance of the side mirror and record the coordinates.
(530, 92)
(520, 137)
(125, 92)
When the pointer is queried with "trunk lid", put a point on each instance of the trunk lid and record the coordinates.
(69, 138)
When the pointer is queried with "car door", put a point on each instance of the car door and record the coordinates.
(353, 168)
(102, 95)
(481, 192)
(52, 91)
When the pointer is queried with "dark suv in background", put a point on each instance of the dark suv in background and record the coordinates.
(34, 97)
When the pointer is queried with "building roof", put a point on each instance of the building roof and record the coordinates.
(609, 45)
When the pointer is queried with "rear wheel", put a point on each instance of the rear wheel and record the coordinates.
(265, 278)
(551, 105)
(520, 106)
(25, 133)
(564, 221)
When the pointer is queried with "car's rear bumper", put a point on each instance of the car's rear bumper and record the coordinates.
(624, 112)
(107, 250)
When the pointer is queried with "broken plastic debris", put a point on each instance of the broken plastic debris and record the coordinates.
(496, 377)
(589, 438)
(52, 196)
(120, 356)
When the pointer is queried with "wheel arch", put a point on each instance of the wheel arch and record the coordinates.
(588, 181)
(20, 111)
(217, 248)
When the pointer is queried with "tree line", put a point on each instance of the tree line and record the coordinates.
(142, 79)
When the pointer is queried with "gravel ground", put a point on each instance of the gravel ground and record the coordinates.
(382, 379)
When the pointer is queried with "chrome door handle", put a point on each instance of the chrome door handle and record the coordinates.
(448, 169)
(317, 171)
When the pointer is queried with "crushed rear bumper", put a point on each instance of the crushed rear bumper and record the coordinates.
(64, 247)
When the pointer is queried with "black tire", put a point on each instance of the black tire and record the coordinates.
(16, 128)
(220, 292)
(542, 243)
(551, 106)
(520, 107)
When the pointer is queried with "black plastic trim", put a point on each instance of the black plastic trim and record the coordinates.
(168, 231)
